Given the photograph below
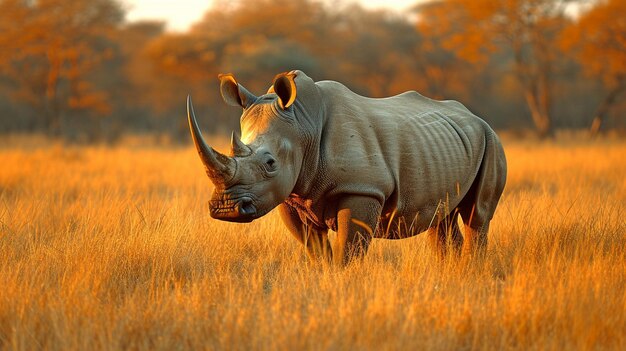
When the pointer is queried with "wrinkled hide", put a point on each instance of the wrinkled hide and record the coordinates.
(364, 167)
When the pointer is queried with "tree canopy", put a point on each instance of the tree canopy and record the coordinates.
(76, 67)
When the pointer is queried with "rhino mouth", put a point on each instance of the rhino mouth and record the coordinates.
(239, 209)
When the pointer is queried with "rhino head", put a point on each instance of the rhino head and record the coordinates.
(263, 166)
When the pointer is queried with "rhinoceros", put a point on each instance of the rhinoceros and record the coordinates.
(330, 159)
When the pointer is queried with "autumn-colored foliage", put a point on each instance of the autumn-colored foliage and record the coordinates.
(599, 42)
(75, 67)
(50, 50)
(527, 29)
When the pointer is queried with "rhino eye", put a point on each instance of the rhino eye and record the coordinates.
(270, 164)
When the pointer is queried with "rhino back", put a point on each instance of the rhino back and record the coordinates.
(412, 153)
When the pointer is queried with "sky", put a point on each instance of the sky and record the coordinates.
(180, 14)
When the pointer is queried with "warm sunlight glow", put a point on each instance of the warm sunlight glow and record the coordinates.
(112, 237)
(180, 14)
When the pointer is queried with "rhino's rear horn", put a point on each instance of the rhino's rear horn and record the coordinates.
(237, 147)
(220, 168)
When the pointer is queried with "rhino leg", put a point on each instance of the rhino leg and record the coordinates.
(317, 244)
(478, 206)
(315, 240)
(475, 244)
(446, 237)
(357, 220)
(475, 229)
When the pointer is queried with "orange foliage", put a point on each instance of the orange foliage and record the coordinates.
(600, 39)
(599, 42)
(474, 30)
(70, 58)
(50, 47)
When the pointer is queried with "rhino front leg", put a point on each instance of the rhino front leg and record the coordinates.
(315, 240)
(357, 219)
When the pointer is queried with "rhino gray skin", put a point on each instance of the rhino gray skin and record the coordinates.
(362, 167)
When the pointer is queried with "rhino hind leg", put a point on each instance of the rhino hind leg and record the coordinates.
(475, 241)
(479, 204)
(476, 213)
(446, 237)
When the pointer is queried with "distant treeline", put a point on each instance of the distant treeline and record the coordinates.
(78, 69)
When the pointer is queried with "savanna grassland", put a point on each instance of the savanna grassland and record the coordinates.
(113, 248)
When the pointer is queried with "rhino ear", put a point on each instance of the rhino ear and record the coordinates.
(234, 93)
(285, 87)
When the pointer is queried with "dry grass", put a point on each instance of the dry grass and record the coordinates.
(112, 248)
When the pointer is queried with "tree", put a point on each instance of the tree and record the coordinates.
(373, 52)
(440, 68)
(599, 41)
(50, 47)
(528, 28)
(255, 40)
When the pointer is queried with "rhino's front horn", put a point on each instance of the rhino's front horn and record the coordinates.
(220, 168)
(238, 148)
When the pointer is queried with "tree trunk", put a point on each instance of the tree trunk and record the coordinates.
(53, 113)
(540, 115)
(596, 124)
(535, 80)
(604, 107)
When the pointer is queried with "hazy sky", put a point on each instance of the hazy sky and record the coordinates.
(180, 14)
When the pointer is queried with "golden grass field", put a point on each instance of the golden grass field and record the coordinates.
(113, 248)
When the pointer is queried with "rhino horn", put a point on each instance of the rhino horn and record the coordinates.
(237, 147)
(220, 168)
